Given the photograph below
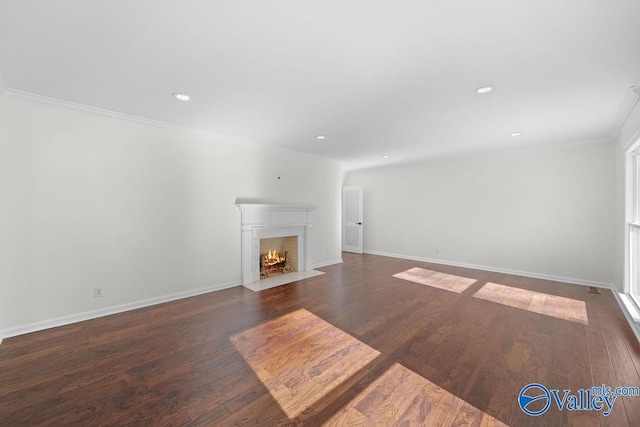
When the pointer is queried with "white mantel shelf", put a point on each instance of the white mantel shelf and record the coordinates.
(256, 214)
(265, 220)
(295, 206)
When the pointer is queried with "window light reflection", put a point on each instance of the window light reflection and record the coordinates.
(537, 302)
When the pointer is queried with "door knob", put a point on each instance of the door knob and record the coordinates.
(358, 223)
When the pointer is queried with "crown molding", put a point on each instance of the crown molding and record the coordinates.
(628, 104)
(87, 109)
(479, 154)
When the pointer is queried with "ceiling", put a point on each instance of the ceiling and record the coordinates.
(375, 77)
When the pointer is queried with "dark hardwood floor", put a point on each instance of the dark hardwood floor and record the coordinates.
(351, 347)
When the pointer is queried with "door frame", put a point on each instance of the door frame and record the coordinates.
(359, 223)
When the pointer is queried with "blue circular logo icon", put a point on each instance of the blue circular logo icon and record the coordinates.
(531, 393)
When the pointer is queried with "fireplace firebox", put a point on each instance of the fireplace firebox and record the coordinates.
(278, 255)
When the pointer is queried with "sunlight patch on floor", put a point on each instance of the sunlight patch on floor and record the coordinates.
(536, 302)
(436, 279)
(300, 358)
(402, 397)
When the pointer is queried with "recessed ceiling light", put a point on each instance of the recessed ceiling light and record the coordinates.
(484, 89)
(181, 96)
(515, 134)
(320, 137)
(385, 156)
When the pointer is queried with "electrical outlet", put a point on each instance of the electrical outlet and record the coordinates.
(97, 292)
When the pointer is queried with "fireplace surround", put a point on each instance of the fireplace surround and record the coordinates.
(262, 221)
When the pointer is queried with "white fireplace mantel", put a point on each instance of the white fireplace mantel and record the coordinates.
(265, 220)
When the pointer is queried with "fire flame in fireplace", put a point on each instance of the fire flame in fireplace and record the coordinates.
(274, 256)
(273, 262)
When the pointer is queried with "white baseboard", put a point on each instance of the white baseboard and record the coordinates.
(66, 320)
(328, 263)
(563, 279)
(635, 327)
(79, 317)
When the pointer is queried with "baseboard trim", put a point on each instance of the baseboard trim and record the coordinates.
(87, 315)
(635, 327)
(563, 279)
(328, 263)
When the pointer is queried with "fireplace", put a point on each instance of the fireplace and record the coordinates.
(281, 228)
(278, 255)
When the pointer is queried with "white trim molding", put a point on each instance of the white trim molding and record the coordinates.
(87, 315)
(563, 279)
(87, 109)
(635, 327)
(627, 105)
(327, 263)
(626, 305)
(627, 108)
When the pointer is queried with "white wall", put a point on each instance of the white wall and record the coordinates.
(547, 212)
(142, 211)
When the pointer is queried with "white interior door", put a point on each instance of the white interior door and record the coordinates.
(352, 219)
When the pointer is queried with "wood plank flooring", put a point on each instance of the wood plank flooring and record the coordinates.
(300, 358)
(402, 397)
(425, 356)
